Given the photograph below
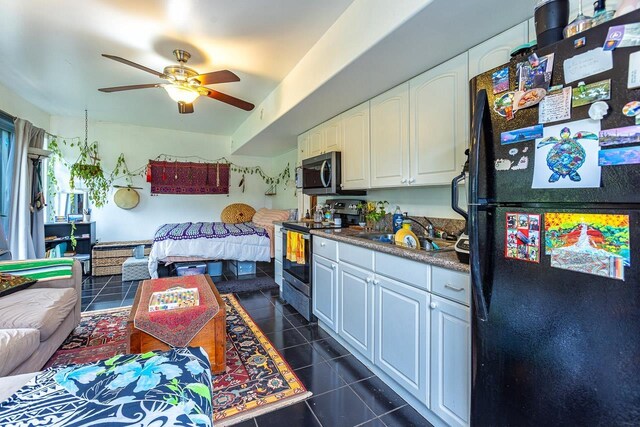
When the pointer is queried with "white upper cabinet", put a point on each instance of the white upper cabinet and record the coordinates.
(355, 148)
(332, 135)
(303, 147)
(439, 121)
(316, 142)
(497, 50)
(390, 137)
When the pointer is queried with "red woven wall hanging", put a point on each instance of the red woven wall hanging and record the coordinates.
(189, 178)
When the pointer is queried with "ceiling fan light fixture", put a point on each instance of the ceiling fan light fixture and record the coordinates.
(181, 93)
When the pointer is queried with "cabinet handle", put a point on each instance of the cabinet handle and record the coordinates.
(368, 279)
(323, 244)
(334, 266)
(376, 282)
(412, 180)
(403, 181)
(447, 285)
(433, 305)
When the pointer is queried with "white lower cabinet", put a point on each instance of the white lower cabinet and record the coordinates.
(418, 342)
(277, 268)
(450, 361)
(325, 291)
(355, 308)
(402, 335)
(277, 244)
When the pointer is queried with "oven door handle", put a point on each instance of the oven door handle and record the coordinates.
(304, 236)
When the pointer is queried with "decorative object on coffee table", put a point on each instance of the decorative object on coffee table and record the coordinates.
(200, 326)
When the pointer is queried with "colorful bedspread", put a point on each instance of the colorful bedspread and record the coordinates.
(207, 230)
(40, 269)
(170, 388)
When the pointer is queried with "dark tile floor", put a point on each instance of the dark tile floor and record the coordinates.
(345, 392)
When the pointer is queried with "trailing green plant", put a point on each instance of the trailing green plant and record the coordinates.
(373, 210)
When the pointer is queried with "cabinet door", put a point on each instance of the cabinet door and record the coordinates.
(450, 361)
(325, 291)
(356, 160)
(332, 135)
(390, 138)
(402, 335)
(316, 145)
(497, 50)
(303, 147)
(355, 308)
(439, 122)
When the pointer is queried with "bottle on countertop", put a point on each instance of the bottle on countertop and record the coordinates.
(318, 216)
(600, 13)
(397, 220)
(307, 215)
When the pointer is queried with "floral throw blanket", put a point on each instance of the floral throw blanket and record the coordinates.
(207, 230)
(170, 388)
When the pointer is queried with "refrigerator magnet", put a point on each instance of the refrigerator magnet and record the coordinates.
(504, 103)
(521, 135)
(500, 80)
(588, 94)
(567, 156)
(627, 135)
(589, 243)
(556, 106)
(522, 236)
(619, 156)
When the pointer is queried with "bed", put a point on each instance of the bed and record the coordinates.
(209, 240)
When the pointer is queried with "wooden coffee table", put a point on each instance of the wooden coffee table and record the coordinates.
(212, 337)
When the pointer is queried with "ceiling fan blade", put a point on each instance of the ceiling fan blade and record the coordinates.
(130, 87)
(247, 106)
(222, 76)
(184, 108)
(134, 65)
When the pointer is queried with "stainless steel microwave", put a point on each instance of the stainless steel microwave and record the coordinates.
(321, 175)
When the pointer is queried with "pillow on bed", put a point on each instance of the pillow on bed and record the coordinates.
(268, 216)
(237, 213)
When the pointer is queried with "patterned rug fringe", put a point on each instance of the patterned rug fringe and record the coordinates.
(106, 310)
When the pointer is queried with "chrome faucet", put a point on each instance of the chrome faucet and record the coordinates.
(429, 229)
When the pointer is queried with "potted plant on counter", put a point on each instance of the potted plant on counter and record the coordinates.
(373, 212)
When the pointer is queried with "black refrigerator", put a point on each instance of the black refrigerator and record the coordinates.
(555, 277)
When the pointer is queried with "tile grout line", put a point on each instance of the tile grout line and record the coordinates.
(365, 404)
(306, 401)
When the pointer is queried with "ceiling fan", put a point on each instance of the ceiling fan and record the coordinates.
(184, 85)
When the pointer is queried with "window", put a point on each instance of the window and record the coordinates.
(6, 140)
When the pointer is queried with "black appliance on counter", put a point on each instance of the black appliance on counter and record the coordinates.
(462, 244)
(551, 346)
(297, 284)
(322, 176)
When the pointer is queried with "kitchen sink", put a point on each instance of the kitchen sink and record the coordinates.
(427, 245)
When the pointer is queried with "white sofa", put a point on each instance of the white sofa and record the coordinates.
(34, 322)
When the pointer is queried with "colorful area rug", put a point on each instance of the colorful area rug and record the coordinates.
(257, 379)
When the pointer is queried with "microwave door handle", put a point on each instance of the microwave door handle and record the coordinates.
(324, 184)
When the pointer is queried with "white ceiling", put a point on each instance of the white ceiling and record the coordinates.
(51, 53)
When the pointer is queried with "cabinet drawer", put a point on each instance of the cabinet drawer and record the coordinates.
(451, 284)
(410, 272)
(355, 255)
(325, 247)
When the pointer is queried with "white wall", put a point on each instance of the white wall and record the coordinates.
(12, 103)
(286, 195)
(139, 144)
(421, 201)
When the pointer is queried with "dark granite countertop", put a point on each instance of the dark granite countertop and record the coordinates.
(445, 259)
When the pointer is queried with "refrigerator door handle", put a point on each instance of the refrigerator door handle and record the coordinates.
(481, 109)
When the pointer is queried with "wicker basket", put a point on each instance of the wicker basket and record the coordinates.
(107, 257)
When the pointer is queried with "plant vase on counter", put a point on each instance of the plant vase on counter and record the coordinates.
(374, 212)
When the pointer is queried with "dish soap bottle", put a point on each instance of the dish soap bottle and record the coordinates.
(397, 220)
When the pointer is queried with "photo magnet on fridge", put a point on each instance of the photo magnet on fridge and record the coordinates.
(500, 80)
(522, 239)
(622, 36)
(620, 136)
(619, 156)
(567, 156)
(521, 135)
(589, 243)
(587, 94)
